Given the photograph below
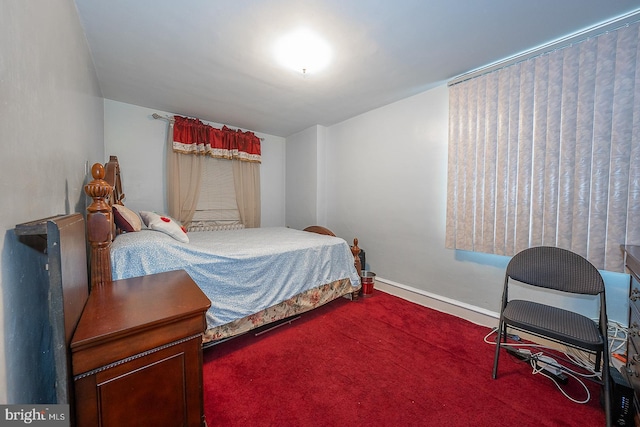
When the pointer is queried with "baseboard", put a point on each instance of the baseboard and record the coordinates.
(477, 315)
(473, 314)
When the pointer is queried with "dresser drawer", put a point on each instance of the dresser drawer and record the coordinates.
(633, 376)
(634, 327)
(634, 292)
(632, 262)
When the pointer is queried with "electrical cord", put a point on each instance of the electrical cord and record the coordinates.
(615, 331)
(539, 369)
(516, 344)
(616, 334)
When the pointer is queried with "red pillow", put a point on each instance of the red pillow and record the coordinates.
(126, 219)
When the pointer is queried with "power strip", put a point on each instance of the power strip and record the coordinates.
(548, 364)
(543, 364)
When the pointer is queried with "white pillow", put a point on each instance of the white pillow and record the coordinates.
(164, 224)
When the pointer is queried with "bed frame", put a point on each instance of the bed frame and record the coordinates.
(106, 190)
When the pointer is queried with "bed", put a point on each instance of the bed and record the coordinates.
(253, 277)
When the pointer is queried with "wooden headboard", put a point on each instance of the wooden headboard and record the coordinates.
(100, 225)
(355, 250)
(106, 190)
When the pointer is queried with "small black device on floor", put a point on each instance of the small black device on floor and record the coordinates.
(621, 399)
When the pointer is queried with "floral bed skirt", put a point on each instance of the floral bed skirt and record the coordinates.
(296, 305)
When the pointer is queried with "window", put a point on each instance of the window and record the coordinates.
(217, 199)
(547, 152)
(198, 182)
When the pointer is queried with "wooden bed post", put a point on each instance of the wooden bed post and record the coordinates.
(355, 250)
(100, 230)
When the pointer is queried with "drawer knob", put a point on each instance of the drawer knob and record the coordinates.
(633, 330)
(630, 371)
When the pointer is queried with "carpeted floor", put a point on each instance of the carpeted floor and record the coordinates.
(381, 361)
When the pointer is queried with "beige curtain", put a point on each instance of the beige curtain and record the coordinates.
(246, 177)
(547, 152)
(184, 176)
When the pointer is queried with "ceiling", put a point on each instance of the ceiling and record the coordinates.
(213, 59)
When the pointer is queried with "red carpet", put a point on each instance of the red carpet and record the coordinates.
(381, 361)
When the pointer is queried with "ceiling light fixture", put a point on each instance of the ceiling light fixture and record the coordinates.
(303, 51)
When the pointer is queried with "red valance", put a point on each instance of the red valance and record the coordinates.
(191, 136)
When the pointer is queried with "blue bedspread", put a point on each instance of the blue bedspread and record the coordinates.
(241, 271)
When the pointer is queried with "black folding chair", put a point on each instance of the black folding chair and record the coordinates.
(561, 270)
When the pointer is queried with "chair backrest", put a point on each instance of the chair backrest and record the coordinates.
(555, 268)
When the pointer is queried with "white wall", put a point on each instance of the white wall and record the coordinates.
(386, 185)
(302, 179)
(51, 126)
(139, 142)
(306, 181)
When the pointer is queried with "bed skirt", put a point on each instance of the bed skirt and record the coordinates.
(298, 304)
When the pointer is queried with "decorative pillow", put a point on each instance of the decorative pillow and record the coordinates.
(165, 224)
(126, 219)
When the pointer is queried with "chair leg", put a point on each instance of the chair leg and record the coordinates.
(501, 332)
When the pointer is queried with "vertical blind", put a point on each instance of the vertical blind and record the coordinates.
(547, 152)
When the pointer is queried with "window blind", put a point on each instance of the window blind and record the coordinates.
(547, 152)
(217, 198)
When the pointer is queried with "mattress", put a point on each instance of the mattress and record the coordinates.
(242, 272)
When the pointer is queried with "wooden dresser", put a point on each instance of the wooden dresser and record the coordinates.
(137, 353)
(632, 261)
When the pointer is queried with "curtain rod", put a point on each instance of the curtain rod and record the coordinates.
(172, 120)
(575, 38)
(159, 117)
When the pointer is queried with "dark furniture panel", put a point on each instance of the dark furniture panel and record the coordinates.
(632, 261)
(62, 240)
